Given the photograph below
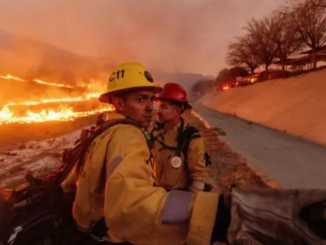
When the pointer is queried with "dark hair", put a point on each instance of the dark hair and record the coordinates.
(174, 103)
(177, 104)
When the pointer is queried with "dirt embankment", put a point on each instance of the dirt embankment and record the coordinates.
(295, 105)
(227, 166)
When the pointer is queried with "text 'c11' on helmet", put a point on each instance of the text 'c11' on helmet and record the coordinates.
(174, 92)
(127, 76)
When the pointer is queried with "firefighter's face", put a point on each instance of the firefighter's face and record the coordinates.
(137, 105)
(167, 111)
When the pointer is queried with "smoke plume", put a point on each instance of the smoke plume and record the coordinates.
(170, 35)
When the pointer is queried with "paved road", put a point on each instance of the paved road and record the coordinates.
(291, 162)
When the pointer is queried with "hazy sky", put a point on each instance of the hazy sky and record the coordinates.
(186, 35)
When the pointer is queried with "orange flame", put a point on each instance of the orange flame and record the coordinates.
(46, 101)
(64, 113)
(10, 77)
(226, 87)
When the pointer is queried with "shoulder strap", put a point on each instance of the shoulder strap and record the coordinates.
(184, 138)
(100, 119)
(108, 124)
(180, 143)
(75, 155)
(157, 126)
(128, 121)
(189, 133)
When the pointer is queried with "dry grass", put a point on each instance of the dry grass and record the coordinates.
(21, 133)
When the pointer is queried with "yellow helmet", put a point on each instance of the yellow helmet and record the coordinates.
(127, 76)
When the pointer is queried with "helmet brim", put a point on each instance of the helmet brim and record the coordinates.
(105, 98)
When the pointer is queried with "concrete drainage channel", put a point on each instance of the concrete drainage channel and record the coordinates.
(221, 133)
(227, 166)
(289, 161)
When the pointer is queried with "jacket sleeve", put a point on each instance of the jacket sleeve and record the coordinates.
(135, 210)
(197, 164)
(69, 184)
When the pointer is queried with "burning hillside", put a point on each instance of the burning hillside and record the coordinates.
(64, 113)
(43, 109)
(9, 77)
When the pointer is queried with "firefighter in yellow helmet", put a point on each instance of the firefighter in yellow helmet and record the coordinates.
(178, 150)
(116, 201)
(117, 178)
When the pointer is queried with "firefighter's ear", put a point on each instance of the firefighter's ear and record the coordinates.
(179, 110)
(118, 103)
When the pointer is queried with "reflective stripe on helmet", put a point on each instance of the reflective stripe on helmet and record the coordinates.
(177, 207)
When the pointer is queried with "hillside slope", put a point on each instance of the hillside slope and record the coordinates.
(296, 105)
(27, 58)
(34, 59)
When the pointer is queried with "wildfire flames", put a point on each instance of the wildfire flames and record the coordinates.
(63, 113)
(27, 103)
(9, 77)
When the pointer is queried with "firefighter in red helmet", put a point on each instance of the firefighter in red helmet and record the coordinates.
(180, 160)
(175, 93)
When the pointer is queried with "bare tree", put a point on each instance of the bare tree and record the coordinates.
(240, 53)
(308, 18)
(262, 44)
(286, 39)
(318, 3)
(238, 71)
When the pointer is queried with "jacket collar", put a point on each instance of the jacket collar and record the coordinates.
(113, 115)
(174, 130)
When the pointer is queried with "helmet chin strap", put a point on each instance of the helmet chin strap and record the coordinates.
(184, 106)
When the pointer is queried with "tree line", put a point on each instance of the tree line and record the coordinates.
(293, 27)
(225, 76)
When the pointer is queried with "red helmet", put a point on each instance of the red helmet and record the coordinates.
(174, 92)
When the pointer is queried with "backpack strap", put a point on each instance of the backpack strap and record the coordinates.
(77, 152)
(187, 136)
(98, 230)
(100, 119)
(184, 137)
(181, 131)
(128, 121)
(156, 127)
